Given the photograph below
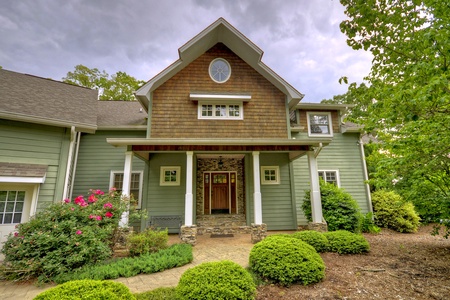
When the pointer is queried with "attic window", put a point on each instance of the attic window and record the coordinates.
(319, 124)
(219, 70)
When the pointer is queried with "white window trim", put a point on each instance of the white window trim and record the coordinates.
(277, 175)
(338, 177)
(227, 104)
(330, 124)
(163, 169)
(141, 180)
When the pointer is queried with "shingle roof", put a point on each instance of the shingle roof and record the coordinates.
(120, 114)
(44, 101)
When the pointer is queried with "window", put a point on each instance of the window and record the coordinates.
(330, 176)
(116, 181)
(319, 124)
(170, 176)
(11, 206)
(220, 111)
(219, 70)
(270, 175)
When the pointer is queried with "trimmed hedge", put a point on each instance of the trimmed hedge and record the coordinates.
(87, 289)
(391, 211)
(148, 241)
(216, 280)
(313, 238)
(346, 242)
(286, 260)
(175, 256)
(168, 293)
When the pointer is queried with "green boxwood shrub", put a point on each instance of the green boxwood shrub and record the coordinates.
(65, 236)
(286, 260)
(392, 212)
(87, 289)
(175, 256)
(148, 241)
(162, 293)
(313, 238)
(216, 280)
(339, 209)
(346, 242)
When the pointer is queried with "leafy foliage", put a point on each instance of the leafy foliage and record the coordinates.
(313, 238)
(168, 293)
(340, 210)
(87, 289)
(65, 236)
(407, 102)
(216, 280)
(391, 211)
(346, 242)
(368, 224)
(286, 260)
(119, 87)
(175, 256)
(148, 241)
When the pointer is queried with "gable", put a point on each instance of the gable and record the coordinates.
(174, 113)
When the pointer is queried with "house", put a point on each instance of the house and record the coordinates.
(217, 140)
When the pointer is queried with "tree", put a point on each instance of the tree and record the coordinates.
(409, 86)
(119, 87)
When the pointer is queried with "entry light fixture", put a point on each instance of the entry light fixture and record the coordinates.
(220, 164)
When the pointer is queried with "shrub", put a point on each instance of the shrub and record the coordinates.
(168, 293)
(340, 210)
(368, 224)
(286, 260)
(392, 212)
(65, 236)
(345, 242)
(87, 289)
(216, 280)
(148, 241)
(175, 256)
(313, 238)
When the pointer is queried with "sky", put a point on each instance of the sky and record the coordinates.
(301, 39)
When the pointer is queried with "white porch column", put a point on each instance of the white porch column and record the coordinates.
(316, 202)
(257, 201)
(126, 185)
(188, 210)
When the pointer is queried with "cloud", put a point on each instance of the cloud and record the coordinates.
(300, 38)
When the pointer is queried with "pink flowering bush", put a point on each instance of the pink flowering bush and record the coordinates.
(65, 236)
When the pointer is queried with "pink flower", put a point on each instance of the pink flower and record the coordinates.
(91, 216)
(108, 205)
(113, 189)
(78, 200)
(79, 232)
(16, 234)
(99, 218)
(83, 203)
(72, 208)
(66, 200)
(99, 192)
(108, 214)
(92, 198)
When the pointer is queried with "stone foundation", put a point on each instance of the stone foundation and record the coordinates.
(320, 227)
(222, 224)
(259, 232)
(188, 234)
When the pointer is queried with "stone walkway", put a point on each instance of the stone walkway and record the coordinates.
(235, 248)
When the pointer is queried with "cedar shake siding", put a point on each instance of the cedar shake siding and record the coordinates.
(175, 115)
(303, 122)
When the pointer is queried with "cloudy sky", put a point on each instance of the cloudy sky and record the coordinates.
(301, 39)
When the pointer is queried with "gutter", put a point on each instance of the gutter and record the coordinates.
(366, 175)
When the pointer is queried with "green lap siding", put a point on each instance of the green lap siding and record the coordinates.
(97, 158)
(342, 154)
(165, 200)
(277, 198)
(37, 144)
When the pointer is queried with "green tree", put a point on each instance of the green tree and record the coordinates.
(119, 86)
(409, 87)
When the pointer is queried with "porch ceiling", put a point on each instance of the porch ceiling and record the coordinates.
(143, 147)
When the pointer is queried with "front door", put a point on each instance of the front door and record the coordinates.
(219, 193)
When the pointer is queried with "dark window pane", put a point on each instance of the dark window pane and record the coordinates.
(7, 219)
(17, 218)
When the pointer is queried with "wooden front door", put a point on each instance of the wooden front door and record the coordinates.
(219, 193)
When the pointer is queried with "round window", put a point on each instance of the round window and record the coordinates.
(219, 70)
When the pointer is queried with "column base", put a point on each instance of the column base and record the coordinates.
(259, 232)
(188, 234)
(320, 227)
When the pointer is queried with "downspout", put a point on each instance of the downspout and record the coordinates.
(317, 150)
(366, 176)
(69, 161)
(75, 162)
